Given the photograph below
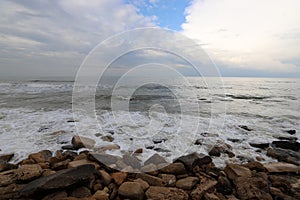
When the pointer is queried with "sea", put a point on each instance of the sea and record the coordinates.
(169, 120)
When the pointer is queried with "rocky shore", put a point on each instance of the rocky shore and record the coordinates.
(69, 175)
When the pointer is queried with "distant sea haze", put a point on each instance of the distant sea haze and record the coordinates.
(30, 111)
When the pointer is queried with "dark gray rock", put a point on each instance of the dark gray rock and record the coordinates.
(259, 145)
(194, 159)
(292, 145)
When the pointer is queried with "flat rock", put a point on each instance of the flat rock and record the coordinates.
(234, 171)
(292, 145)
(187, 183)
(131, 161)
(205, 185)
(6, 157)
(60, 180)
(284, 155)
(77, 163)
(28, 172)
(80, 192)
(151, 180)
(166, 193)
(155, 159)
(103, 158)
(131, 190)
(41, 157)
(174, 168)
(194, 159)
(259, 145)
(280, 167)
(82, 142)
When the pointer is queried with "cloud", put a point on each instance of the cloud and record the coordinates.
(248, 34)
(57, 34)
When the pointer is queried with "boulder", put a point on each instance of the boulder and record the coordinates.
(119, 177)
(143, 183)
(60, 180)
(131, 161)
(41, 157)
(28, 172)
(101, 195)
(284, 155)
(82, 142)
(173, 168)
(151, 180)
(234, 171)
(6, 157)
(259, 145)
(105, 178)
(80, 192)
(194, 159)
(206, 184)
(292, 145)
(187, 183)
(280, 167)
(155, 159)
(166, 193)
(169, 179)
(131, 190)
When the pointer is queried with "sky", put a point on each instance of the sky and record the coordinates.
(259, 38)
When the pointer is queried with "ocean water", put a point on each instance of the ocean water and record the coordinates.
(32, 111)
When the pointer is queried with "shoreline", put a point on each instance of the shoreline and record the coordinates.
(66, 174)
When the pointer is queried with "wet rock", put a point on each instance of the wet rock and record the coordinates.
(28, 172)
(194, 159)
(258, 167)
(155, 159)
(68, 147)
(291, 132)
(284, 155)
(80, 192)
(199, 142)
(61, 165)
(246, 128)
(151, 180)
(166, 193)
(278, 194)
(56, 196)
(131, 161)
(292, 145)
(289, 138)
(211, 196)
(143, 183)
(119, 177)
(101, 195)
(57, 133)
(6, 157)
(105, 177)
(6, 166)
(173, 168)
(206, 184)
(106, 148)
(107, 138)
(221, 148)
(280, 167)
(215, 151)
(60, 180)
(77, 163)
(103, 158)
(11, 191)
(206, 134)
(235, 140)
(131, 190)
(82, 142)
(224, 186)
(41, 156)
(158, 140)
(169, 179)
(138, 151)
(187, 183)
(158, 149)
(259, 145)
(234, 171)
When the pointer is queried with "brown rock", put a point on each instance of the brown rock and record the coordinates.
(277, 194)
(101, 195)
(151, 180)
(143, 183)
(281, 167)
(41, 156)
(234, 171)
(211, 196)
(6, 157)
(6, 166)
(106, 147)
(187, 183)
(82, 142)
(56, 196)
(28, 172)
(215, 151)
(80, 192)
(169, 179)
(281, 182)
(119, 177)
(155, 159)
(259, 145)
(194, 159)
(102, 158)
(107, 138)
(174, 168)
(138, 151)
(61, 165)
(77, 163)
(11, 191)
(48, 172)
(105, 177)
(284, 155)
(131, 161)
(206, 184)
(166, 193)
(131, 190)
(292, 145)
(27, 161)
(255, 166)
(224, 186)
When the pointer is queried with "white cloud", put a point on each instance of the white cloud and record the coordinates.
(250, 34)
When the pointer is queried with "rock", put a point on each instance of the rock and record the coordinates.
(61, 165)
(11, 191)
(215, 151)
(119, 177)
(224, 186)
(28, 172)
(166, 193)
(284, 155)
(289, 138)
(101, 195)
(173, 168)
(199, 142)
(158, 140)
(169, 179)
(6, 166)
(6, 157)
(57, 133)
(131, 190)
(259, 145)
(107, 138)
(41, 156)
(7, 178)
(150, 169)
(211, 196)
(151, 180)
(138, 151)
(194, 159)
(206, 184)
(281, 182)
(56, 196)
(105, 177)
(245, 128)
(234, 171)
(291, 132)
(155, 159)
(235, 140)
(48, 172)
(280, 167)
(60, 180)
(102, 158)
(106, 148)
(277, 194)
(82, 142)
(255, 166)
(68, 147)
(80, 192)
(187, 183)
(292, 145)
(131, 161)
(77, 163)
(143, 183)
